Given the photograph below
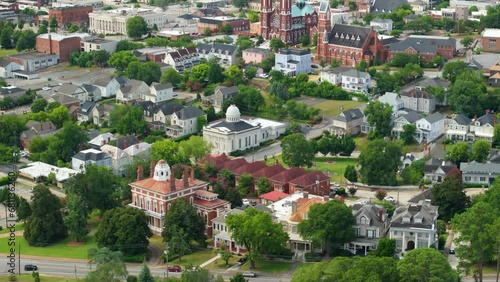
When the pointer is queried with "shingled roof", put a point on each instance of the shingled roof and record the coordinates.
(348, 35)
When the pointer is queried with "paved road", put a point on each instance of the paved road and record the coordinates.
(80, 268)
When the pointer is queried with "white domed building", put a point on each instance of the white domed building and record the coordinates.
(234, 133)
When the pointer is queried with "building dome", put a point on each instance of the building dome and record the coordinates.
(162, 171)
(233, 114)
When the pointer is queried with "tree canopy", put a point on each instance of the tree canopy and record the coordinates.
(136, 27)
(378, 152)
(379, 116)
(182, 217)
(328, 224)
(450, 197)
(297, 151)
(426, 264)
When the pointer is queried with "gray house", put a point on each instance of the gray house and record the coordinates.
(348, 122)
(371, 225)
(221, 94)
(436, 169)
(419, 100)
(479, 173)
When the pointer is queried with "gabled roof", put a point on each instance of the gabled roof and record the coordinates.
(269, 171)
(161, 86)
(227, 90)
(274, 196)
(189, 112)
(167, 108)
(250, 168)
(309, 178)
(435, 117)
(163, 187)
(136, 149)
(231, 49)
(64, 99)
(91, 155)
(355, 73)
(386, 6)
(371, 212)
(417, 93)
(422, 44)
(486, 119)
(217, 161)
(91, 89)
(484, 168)
(102, 80)
(128, 140)
(70, 89)
(131, 86)
(86, 107)
(350, 115)
(462, 120)
(233, 164)
(422, 196)
(115, 152)
(287, 175)
(433, 164)
(102, 138)
(425, 211)
(348, 35)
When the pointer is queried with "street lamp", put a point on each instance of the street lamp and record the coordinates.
(166, 256)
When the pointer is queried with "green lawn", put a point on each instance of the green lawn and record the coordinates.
(43, 278)
(19, 226)
(4, 52)
(61, 249)
(220, 264)
(158, 241)
(361, 143)
(196, 258)
(265, 265)
(333, 107)
(334, 166)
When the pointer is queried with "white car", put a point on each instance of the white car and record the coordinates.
(336, 184)
(390, 199)
(46, 88)
(246, 202)
(362, 202)
(264, 75)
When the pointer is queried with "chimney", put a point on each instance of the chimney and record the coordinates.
(185, 179)
(443, 163)
(475, 118)
(125, 144)
(294, 207)
(172, 182)
(381, 214)
(50, 38)
(140, 173)
(39, 4)
(305, 195)
(152, 169)
(192, 174)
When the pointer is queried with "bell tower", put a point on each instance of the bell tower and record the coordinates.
(324, 29)
(266, 10)
(285, 20)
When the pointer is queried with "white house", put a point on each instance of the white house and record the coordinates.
(184, 122)
(85, 111)
(414, 226)
(479, 173)
(419, 100)
(182, 59)
(457, 128)
(119, 159)
(334, 75)
(406, 119)
(356, 81)
(430, 128)
(159, 92)
(436, 170)
(482, 127)
(7, 68)
(109, 86)
(132, 91)
(90, 156)
(139, 149)
(225, 53)
(292, 62)
(382, 26)
(394, 100)
(235, 133)
(101, 140)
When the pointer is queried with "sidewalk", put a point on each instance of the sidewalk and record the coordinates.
(210, 261)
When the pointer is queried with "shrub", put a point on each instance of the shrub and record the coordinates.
(352, 191)
(380, 194)
(312, 257)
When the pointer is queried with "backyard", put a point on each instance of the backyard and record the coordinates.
(332, 108)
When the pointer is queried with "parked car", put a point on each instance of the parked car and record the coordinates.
(46, 88)
(246, 202)
(241, 261)
(249, 274)
(30, 267)
(335, 184)
(264, 75)
(362, 202)
(452, 251)
(174, 268)
(390, 199)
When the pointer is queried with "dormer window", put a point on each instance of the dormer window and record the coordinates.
(418, 220)
(406, 219)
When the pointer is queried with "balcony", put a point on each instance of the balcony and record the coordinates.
(154, 214)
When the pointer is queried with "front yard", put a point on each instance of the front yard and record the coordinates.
(270, 266)
(332, 108)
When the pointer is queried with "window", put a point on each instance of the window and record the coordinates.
(467, 178)
(482, 178)
(370, 233)
(357, 232)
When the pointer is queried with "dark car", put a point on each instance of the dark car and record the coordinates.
(30, 267)
(174, 268)
(452, 251)
(241, 261)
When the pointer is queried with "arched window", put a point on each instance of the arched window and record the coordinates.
(191, 199)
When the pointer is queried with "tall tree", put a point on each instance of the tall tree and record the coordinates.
(380, 151)
(328, 224)
(224, 253)
(24, 210)
(245, 183)
(385, 248)
(450, 197)
(133, 122)
(475, 246)
(263, 185)
(256, 230)
(136, 27)
(234, 75)
(121, 59)
(124, 229)
(453, 69)
(351, 174)
(12, 126)
(182, 216)
(426, 264)
(460, 153)
(481, 150)
(347, 145)
(195, 148)
(408, 134)
(297, 151)
(379, 116)
(167, 150)
(215, 71)
(178, 244)
(39, 105)
(172, 76)
(76, 218)
(6, 38)
(110, 266)
(96, 188)
(45, 225)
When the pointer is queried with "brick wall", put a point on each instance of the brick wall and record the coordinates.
(62, 48)
(74, 15)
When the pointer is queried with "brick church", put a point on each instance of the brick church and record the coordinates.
(348, 44)
(281, 19)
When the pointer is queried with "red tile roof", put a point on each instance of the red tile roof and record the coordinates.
(269, 171)
(210, 204)
(250, 168)
(287, 175)
(215, 160)
(164, 186)
(274, 196)
(231, 165)
(309, 178)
